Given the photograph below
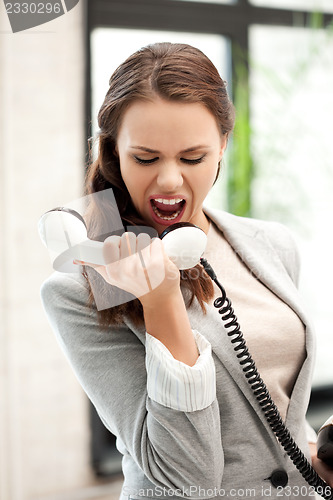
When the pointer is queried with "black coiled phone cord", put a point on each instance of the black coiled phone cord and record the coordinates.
(261, 393)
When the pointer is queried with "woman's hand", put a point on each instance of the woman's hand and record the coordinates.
(140, 266)
(324, 471)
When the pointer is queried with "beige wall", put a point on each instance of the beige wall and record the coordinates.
(44, 432)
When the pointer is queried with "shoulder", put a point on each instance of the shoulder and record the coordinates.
(250, 226)
(67, 288)
(73, 316)
(65, 299)
(74, 322)
(276, 235)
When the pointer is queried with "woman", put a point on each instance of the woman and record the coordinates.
(160, 369)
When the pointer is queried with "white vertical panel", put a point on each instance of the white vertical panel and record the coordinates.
(315, 5)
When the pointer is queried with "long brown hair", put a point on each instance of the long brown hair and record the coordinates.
(176, 72)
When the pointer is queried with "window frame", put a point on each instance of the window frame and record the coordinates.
(229, 20)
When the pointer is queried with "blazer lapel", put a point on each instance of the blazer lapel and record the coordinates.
(257, 252)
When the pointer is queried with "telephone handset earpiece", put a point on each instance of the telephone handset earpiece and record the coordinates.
(63, 231)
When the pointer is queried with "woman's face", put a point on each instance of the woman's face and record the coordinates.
(169, 154)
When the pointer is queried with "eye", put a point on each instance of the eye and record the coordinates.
(143, 161)
(194, 161)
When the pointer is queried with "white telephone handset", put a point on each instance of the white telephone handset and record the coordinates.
(63, 231)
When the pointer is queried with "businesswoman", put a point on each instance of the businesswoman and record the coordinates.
(159, 368)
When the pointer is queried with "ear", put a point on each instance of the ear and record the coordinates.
(224, 141)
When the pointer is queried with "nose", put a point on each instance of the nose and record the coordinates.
(169, 177)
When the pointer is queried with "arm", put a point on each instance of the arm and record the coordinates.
(167, 316)
(141, 267)
(111, 369)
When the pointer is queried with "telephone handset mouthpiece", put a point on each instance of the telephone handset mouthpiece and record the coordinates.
(184, 244)
(325, 442)
(64, 232)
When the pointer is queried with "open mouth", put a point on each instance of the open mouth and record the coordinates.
(167, 210)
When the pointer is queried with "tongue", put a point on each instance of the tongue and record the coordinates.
(169, 209)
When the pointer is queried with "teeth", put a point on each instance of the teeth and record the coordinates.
(171, 217)
(169, 202)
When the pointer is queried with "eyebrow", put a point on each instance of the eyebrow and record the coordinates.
(188, 150)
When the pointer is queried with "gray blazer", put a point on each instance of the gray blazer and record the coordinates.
(226, 449)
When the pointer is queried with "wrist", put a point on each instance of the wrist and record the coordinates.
(168, 321)
(151, 302)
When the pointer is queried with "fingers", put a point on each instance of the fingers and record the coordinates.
(136, 264)
(120, 247)
(127, 245)
(111, 252)
(156, 248)
(143, 241)
(155, 273)
(131, 257)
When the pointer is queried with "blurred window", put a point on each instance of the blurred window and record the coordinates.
(211, 1)
(291, 81)
(312, 5)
